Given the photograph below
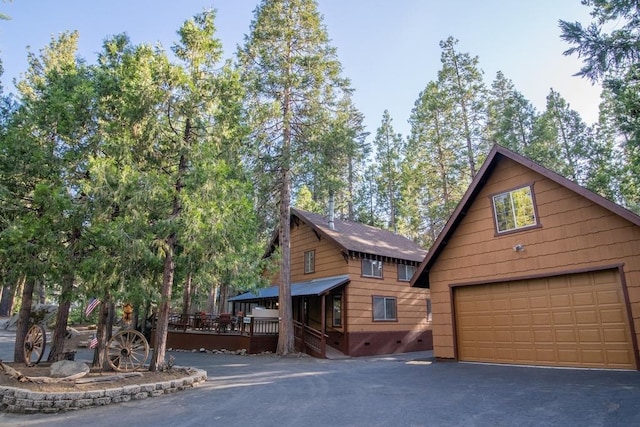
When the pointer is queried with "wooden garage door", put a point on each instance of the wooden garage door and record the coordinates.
(577, 320)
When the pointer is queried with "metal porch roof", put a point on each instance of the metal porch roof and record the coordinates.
(311, 287)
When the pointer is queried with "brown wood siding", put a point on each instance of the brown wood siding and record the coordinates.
(574, 234)
(411, 306)
(329, 261)
(328, 258)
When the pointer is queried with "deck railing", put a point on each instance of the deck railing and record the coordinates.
(309, 340)
(224, 324)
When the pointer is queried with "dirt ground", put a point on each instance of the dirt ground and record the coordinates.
(43, 370)
(79, 339)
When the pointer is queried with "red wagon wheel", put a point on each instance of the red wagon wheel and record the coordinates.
(128, 350)
(34, 343)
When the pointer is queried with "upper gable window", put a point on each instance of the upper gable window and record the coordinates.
(309, 262)
(371, 268)
(405, 272)
(514, 210)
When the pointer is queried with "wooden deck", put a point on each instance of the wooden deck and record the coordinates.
(197, 332)
(253, 334)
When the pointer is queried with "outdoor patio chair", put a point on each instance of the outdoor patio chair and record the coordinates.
(224, 321)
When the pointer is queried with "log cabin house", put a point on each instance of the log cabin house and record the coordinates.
(350, 289)
(534, 269)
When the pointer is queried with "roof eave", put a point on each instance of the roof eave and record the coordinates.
(421, 278)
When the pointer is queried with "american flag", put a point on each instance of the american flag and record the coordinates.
(93, 343)
(92, 304)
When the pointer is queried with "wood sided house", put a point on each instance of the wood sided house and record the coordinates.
(533, 269)
(350, 289)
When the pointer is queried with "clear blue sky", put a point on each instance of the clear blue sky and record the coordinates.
(389, 49)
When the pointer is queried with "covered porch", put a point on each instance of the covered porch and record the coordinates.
(317, 312)
(253, 324)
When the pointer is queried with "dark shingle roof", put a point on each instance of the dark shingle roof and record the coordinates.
(360, 238)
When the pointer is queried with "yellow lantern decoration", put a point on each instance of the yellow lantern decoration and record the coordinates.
(127, 312)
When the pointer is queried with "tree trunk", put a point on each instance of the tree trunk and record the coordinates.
(62, 316)
(9, 296)
(24, 319)
(224, 296)
(100, 352)
(286, 341)
(211, 299)
(162, 325)
(41, 294)
(186, 296)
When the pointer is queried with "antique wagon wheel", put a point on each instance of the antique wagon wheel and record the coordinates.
(34, 343)
(128, 350)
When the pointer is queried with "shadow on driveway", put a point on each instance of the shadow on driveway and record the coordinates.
(396, 390)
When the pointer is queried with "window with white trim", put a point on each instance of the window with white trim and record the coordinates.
(309, 262)
(371, 268)
(384, 308)
(405, 272)
(514, 210)
(429, 312)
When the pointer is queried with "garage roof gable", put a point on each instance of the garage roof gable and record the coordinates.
(497, 154)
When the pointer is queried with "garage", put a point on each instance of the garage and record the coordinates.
(571, 320)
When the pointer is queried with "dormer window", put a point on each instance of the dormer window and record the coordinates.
(371, 268)
(514, 210)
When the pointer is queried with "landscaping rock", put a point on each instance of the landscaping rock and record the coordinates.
(67, 368)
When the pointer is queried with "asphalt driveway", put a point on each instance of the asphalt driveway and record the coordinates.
(397, 390)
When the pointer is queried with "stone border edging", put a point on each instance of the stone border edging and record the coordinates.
(22, 401)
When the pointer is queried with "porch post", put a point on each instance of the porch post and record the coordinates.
(323, 340)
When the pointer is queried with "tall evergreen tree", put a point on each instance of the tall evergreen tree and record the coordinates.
(461, 80)
(169, 184)
(9, 282)
(435, 175)
(53, 130)
(293, 80)
(609, 47)
(388, 145)
(510, 116)
(330, 170)
(616, 177)
(561, 139)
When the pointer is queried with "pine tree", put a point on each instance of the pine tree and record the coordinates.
(510, 116)
(293, 81)
(388, 145)
(435, 176)
(461, 80)
(609, 47)
(330, 170)
(561, 139)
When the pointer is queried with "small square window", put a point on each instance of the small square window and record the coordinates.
(371, 268)
(384, 308)
(514, 210)
(405, 272)
(309, 262)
